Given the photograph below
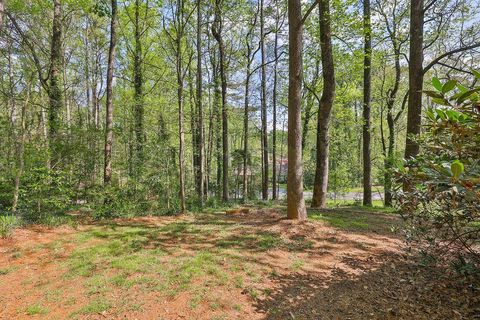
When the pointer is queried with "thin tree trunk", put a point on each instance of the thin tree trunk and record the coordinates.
(415, 78)
(245, 126)
(181, 153)
(367, 79)
(248, 74)
(295, 201)
(319, 199)
(217, 33)
(20, 150)
(217, 125)
(138, 95)
(263, 108)
(274, 105)
(201, 138)
(107, 175)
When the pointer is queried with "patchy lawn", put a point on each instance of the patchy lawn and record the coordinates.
(341, 264)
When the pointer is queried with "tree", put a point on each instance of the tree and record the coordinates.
(201, 138)
(319, 198)
(217, 34)
(107, 175)
(295, 201)
(393, 15)
(55, 93)
(367, 80)
(263, 99)
(278, 26)
(415, 78)
(249, 56)
(138, 93)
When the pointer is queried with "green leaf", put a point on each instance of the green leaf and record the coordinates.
(433, 94)
(449, 85)
(476, 74)
(429, 113)
(437, 84)
(462, 88)
(441, 101)
(452, 115)
(467, 94)
(457, 168)
(441, 114)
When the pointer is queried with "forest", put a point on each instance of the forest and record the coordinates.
(249, 159)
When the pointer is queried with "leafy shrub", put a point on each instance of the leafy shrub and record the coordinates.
(441, 197)
(44, 192)
(7, 225)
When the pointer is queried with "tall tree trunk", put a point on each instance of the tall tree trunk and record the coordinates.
(248, 74)
(20, 149)
(274, 105)
(217, 125)
(319, 199)
(367, 80)
(138, 95)
(217, 33)
(181, 153)
(107, 174)
(415, 78)
(54, 88)
(263, 109)
(201, 138)
(391, 121)
(245, 124)
(295, 201)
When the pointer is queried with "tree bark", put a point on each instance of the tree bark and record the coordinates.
(415, 78)
(138, 95)
(107, 173)
(319, 198)
(54, 88)
(201, 138)
(367, 80)
(295, 201)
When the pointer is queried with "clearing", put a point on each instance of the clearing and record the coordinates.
(341, 264)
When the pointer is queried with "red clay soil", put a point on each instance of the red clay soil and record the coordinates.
(318, 272)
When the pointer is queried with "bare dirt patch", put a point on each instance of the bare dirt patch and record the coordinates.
(247, 265)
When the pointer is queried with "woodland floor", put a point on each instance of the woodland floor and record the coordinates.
(341, 264)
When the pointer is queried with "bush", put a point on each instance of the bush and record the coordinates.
(44, 192)
(441, 197)
(7, 225)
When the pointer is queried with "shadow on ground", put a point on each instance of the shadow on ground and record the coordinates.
(397, 289)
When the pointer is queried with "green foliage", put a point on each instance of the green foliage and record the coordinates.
(36, 309)
(7, 225)
(442, 195)
(44, 192)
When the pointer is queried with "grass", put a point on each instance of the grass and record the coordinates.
(198, 254)
(35, 309)
(357, 223)
(94, 306)
(7, 270)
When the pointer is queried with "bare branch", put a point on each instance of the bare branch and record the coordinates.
(449, 53)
